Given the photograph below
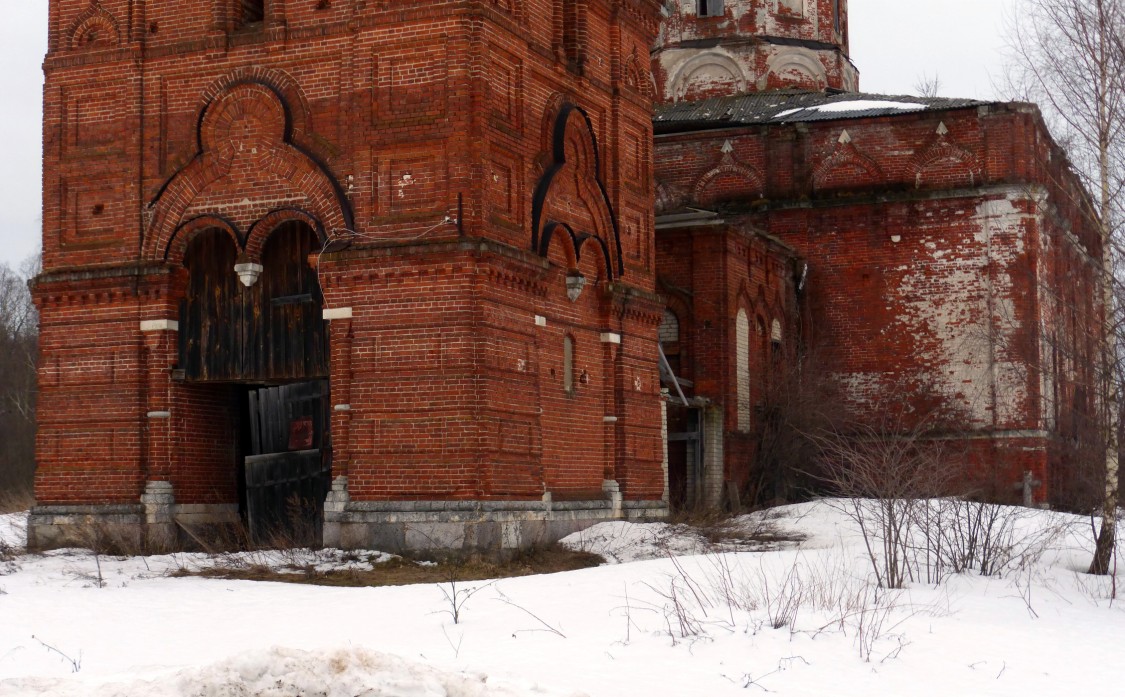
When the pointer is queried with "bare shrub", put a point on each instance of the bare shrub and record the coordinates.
(990, 539)
(884, 476)
(456, 594)
(722, 594)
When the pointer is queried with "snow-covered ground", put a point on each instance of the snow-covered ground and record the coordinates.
(672, 616)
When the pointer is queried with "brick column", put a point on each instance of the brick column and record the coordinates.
(340, 384)
(160, 344)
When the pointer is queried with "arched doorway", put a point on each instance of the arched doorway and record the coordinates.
(263, 347)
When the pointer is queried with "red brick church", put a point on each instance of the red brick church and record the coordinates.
(440, 275)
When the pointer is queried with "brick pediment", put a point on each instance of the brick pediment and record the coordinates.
(247, 168)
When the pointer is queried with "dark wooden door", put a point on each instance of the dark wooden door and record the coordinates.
(270, 337)
(271, 332)
(288, 472)
(685, 457)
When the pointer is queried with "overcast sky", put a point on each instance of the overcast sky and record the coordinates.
(893, 42)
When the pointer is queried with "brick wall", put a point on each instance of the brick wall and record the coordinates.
(941, 251)
(463, 158)
(752, 45)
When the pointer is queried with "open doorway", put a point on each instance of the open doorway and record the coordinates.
(257, 356)
(685, 457)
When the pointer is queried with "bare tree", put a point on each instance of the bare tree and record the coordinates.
(1069, 58)
(18, 349)
(928, 86)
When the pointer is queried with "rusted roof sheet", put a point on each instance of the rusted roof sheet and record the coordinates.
(793, 107)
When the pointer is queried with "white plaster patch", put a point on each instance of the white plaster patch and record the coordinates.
(956, 299)
(160, 325)
(331, 313)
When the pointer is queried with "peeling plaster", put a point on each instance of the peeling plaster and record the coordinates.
(956, 302)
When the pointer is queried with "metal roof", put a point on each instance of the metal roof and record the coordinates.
(794, 107)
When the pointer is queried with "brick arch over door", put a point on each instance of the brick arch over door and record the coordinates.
(270, 332)
(245, 131)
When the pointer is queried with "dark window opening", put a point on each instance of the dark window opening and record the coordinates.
(252, 12)
(710, 8)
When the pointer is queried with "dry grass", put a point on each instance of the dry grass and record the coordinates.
(16, 500)
(723, 528)
(401, 571)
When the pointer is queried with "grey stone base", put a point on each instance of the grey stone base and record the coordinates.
(119, 527)
(155, 525)
(206, 513)
(458, 527)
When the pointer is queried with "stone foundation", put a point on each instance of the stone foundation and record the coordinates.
(156, 524)
(53, 527)
(452, 527)
(491, 527)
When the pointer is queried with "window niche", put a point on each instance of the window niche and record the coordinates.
(573, 33)
(742, 369)
(776, 347)
(709, 8)
(669, 337)
(568, 364)
(791, 8)
(250, 13)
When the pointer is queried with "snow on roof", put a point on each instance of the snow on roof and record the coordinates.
(865, 104)
(793, 107)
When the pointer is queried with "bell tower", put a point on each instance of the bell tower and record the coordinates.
(405, 247)
(712, 48)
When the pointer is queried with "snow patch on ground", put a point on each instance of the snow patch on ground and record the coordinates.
(288, 561)
(13, 529)
(283, 672)
(621, 542)
(795, 618)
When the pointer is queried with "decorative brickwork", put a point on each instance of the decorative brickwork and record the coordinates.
(749, 45)
(941, 247)
(462, 166)
(442, 214)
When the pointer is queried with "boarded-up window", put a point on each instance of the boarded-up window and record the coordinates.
(669, 331)
(742, 369)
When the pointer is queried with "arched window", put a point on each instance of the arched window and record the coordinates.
(742, 369)
(775, 341)
(568, 363)
(836, 14)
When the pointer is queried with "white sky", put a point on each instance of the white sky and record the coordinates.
(893, 42)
